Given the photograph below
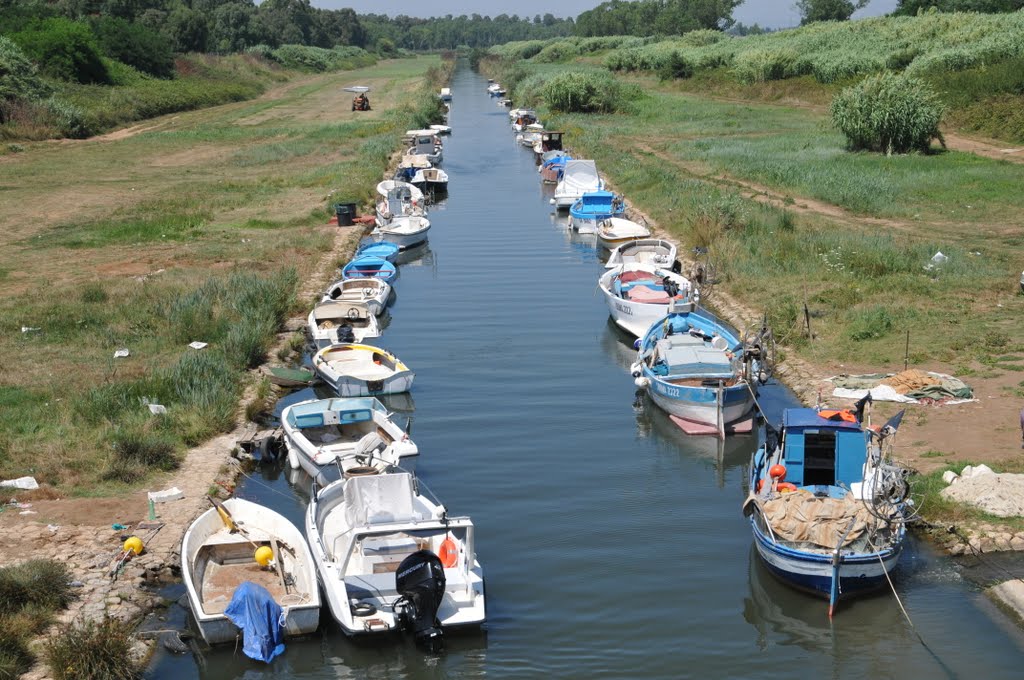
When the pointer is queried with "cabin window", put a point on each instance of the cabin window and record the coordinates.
(819, 458)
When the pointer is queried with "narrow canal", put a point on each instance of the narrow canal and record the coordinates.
(613, 546)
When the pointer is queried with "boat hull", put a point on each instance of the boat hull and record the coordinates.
(700, 404)
(402, 238)
(633, 317)
(812, 572)
(298, 621)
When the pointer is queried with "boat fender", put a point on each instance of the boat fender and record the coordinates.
(636, 370)
(449, 553)
(641, 382)
(786, 487)
(777, 471)
(636, 344)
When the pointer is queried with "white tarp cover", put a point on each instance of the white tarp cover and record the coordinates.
(580, 177)
(379, 499)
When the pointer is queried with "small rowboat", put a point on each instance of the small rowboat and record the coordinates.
(364, 267)
(405, 232)
(382, 249)
(356, 370)
(615, 231)
(654, 252)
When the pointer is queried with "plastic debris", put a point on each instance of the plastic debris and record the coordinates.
(28, 329)
(197, 345)
(26, 483)
(121, 354)
(939, 258)
(157, 409)
(28, 512)
(117, 526)
(167, 495)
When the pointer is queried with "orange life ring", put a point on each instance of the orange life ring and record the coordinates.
(786, 487)
(449, 553)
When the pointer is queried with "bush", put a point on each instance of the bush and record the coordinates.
(147, 449)
(64, 49)
(19, 79)
(888, 112)
(92, 650)
(136, 45)
(35, 583)
(584, 92)
(676, 66)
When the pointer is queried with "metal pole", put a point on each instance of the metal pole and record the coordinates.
(906, 352)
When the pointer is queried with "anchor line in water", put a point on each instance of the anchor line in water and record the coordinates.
(917, 633)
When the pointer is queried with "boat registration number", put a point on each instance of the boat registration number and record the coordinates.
(666, 390)
(624, 309)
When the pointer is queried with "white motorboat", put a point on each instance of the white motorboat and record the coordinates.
(355, 370)
(441, 129)
(530, 136)
(426, 143)
(371, 291)
(354, 432)
(655, 252)
(337, 321)
(431, 180)
(446, 94)
(579, 177)
(218, 554)
(637, 295)
(398, 199)
(523, 119)
(615, 231)
(405, 232)
(390, 557)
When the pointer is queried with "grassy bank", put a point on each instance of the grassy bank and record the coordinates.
(973, 60)
(200, 81)
(30, 594)
(198, 228)
(792, 218)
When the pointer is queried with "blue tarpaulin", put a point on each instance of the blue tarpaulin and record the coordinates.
(254, 611)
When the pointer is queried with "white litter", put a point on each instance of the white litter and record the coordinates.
(27, 329)
(939, 258)
(53, 528)
(121, 354)
(27, 483)
(197, 345)
(157, 409)
(167, 495)
(28, 512)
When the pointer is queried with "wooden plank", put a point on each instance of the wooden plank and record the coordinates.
(278, 560)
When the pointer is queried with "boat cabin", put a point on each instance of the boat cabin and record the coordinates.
(550, 141)
(525, 118)
(341, 425)
(822, 451)
(424, 142)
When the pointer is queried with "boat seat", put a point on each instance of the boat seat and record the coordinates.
(697, 361)
(367, 586)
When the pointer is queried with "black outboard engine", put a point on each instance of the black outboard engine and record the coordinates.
(420, 581)
(345, 334)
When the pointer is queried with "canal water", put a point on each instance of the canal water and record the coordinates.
(613, 545)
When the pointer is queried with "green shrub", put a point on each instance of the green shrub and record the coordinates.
(758, 66)
(585, 92)
(136, 45)
(871, 323)
(19, 79)
(149, 449)
(39, 582)
(888, 112)
(675, 67)
(64, 49)
(90, 650)
(320, 60)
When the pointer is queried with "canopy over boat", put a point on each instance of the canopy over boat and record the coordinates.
(362, 89)
(580, 177)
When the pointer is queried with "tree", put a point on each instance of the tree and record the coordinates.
(828, 10)
(915, 7)
(188, 30)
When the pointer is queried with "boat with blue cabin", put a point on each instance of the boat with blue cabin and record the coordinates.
(826, 505)
(594, 207)
(697, 369)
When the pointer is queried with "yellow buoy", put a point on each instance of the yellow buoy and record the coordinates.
(263, 555)
(133, 544)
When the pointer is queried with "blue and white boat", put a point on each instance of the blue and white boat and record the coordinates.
(594, 207)
(552, 165)
(826, 508)
(578, 177)
(382, 249)
(365, 267)
(698, 371)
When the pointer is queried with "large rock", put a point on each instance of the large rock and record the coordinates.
(997, 494)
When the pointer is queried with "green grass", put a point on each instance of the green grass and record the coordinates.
(89, 650)
(30, 593)
(199, 229)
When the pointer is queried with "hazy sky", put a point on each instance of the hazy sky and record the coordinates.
(769, 13)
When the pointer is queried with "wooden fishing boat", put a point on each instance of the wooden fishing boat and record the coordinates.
(826, 505)
(638, 295)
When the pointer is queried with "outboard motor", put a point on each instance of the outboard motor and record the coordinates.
(420, 582)
(345, 335)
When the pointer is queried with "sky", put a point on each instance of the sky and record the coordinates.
(767, 13)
